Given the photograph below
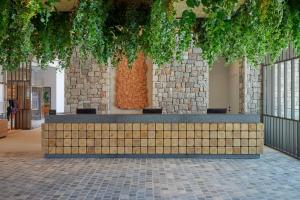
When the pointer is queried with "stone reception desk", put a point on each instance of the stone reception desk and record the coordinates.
(216, 135)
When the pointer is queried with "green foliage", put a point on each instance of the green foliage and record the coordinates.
(113, 29)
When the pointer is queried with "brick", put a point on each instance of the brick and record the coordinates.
(105, 142)
(82, 134)
(113, 127)
(59, 150)
(198, 126)
(236, 126)
(213, 134)
(228, 150)
(90, 150)
(174, 134)
(52, 127)
(113, 150)
(221, 150)
(120, 127)
(75, 150)
(175, 126)
(98, 150)
(75, 134)
(190, 142)
(105, 127)
(90, 142)
(174, 142)
(105, 134)
(221, 142)
(229, 126)
(105, 150)
(82, 142)
(221, 134)
(128, 150)
(221, 127)
(82, 150)
(98, 127)
(236, 142)
(252, 134)
(213, 126)
(128, 134)
(190, 126)
(182, 142)
(167, 142)
(236, 134)
(59, 142)
(144, 126)
(159, 150)
(167, 127)
(113, 142)
(52, 134)
(190, 134)
(60, 127)
(60, 134)
(82, 127)
(175, 150)
(113, 134)
(159, 142)
(244, 150)
(151, 134)
(136, 127)
(244, 142)
(90, 134)
(90, 127)
(244, 127)
(182, 126)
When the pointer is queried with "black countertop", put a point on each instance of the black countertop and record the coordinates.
(153, 118)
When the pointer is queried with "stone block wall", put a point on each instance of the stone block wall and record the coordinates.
(182, 87)
(251, 96)
(85, 86)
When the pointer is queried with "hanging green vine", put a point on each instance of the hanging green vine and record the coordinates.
(113, 29)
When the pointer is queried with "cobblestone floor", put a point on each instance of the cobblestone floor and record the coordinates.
(273, 176)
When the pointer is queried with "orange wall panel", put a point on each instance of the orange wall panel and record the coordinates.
(131, 84)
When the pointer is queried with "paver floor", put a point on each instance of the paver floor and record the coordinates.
(30, 176)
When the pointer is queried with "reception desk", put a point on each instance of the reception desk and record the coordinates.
(217, 135)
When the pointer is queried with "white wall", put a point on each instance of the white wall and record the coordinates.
(60, 90)
(224, 86)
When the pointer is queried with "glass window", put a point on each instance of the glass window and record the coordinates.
(275, 85)
(281, 79)
(296, 96)
(289, 89)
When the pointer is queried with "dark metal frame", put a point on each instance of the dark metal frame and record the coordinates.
(281, 132)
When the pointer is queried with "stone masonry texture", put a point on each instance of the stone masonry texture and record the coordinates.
(85, 86)
(182, 87)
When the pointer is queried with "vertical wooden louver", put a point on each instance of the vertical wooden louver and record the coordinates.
(131, 84)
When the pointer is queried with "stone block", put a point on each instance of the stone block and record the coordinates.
(182, 126)
(213, 126)
(167, 127)
(105, 134)
(151, 134)
(136, 127)
(205, 126)
(174, 134)
(252, 127)
(182, 134)
(244, 150)
(236, 126)
(97, 127)
(59, 150)
(128, 134)
(113, 127)
(236, 142)
(236, 134)
(260, 127)
(198, 142)
(151, 150)
(90, 134)
(159, 134)
(182, 142)
(175, 126)
(221, 150)
(82, 134)
(221, 127)
(252, 142)
(190, 134)
(198, 150)
(244, 127)
(229, 134)
(105, 150)
(244, 135)
(136, 134)
(113, 142)
(252, 150)
(228, 142)
(59, 143)
(60, 127)
(159, 150)
(52, 150)
(128, 142)
(159, 142)
(82, 150)
(121, 142)
(221, 134)
(74, 150)
(67, 134)
(236, 150)
(159, 126)
(144, 142)
(182, 150)
(229, 127)
(205, 142)
(144, 127)
(45, 127)
(229, 150)
(90, 150)
(121, 150)
(252, 134)
(52, 127)
(167, 150)
(105, 142)
(198, 126)
(121, 134)
(244, 142)
(175, 150)
(113, 134)
(213, 142)
(75, 126)
(167, 134)
(82, 127)
(175, 142)
(98, 134)
(151, 126)
(60, 134)
(136, 142)
(128, 150)
(221, 143)
(90, 142)
(190, 126)
(167, 143)
(190, 150)
(52, 134)
(105, 127)
(205, 134)
(190, 142)
(213, 150)
(213, 134)
(98, 150)
(113, 150)
(90, 127)
(260, 134)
